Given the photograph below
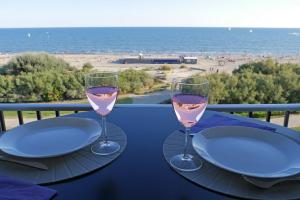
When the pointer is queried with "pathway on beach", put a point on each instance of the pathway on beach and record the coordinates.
(151, 98)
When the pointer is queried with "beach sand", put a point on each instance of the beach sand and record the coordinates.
(206, 63)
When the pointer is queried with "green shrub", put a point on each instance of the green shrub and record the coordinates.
(134, 81)
(40, 78)
(87, 67)
(30, 63)
(44, 78)
(165, 68)
(257, 82)
(7, 89)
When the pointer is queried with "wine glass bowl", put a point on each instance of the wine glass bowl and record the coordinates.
(102, 99)
(189, 108)
(189, 99)
(102, 92)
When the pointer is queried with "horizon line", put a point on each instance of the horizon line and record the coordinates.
(232, 27)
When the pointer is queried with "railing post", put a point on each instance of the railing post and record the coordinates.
(250, 114)
(268, 117)
(57, 114)
(2, 121)
(38, 115)
(286, 119)
(20, 117)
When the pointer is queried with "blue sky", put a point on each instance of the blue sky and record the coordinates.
(202, 13)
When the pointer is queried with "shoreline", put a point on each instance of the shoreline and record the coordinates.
(183, 53)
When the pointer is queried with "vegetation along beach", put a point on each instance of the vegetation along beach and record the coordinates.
(42, 77)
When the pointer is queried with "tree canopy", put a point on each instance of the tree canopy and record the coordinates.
(44, 78)
(39, 77)
(257, 82)
(31, 63)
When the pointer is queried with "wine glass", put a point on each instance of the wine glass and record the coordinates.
(102, 91)
(189, 98)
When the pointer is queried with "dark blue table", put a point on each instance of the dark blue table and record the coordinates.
(141, 172)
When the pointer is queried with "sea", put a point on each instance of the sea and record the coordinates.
(151, 40)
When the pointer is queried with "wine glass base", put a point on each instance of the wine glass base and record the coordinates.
(188, 163)
(105, 148)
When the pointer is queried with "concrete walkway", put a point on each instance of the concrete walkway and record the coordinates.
(294, 120)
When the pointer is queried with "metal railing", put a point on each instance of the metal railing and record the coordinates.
(230, 108)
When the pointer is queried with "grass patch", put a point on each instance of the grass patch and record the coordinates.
(125, 100)
(297, 128)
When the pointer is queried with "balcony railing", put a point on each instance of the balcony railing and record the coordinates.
(230, 108)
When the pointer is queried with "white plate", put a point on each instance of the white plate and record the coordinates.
(50, 137)
(249, 151)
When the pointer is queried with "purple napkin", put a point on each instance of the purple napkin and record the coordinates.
(11, 189)
(219, 120)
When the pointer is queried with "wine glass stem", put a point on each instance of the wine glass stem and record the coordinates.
(187, 132)
(104, 129)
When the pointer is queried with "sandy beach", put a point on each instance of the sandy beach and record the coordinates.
(206, 63)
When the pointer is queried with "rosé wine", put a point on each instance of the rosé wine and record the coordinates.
(102, 99)
(189, 108)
